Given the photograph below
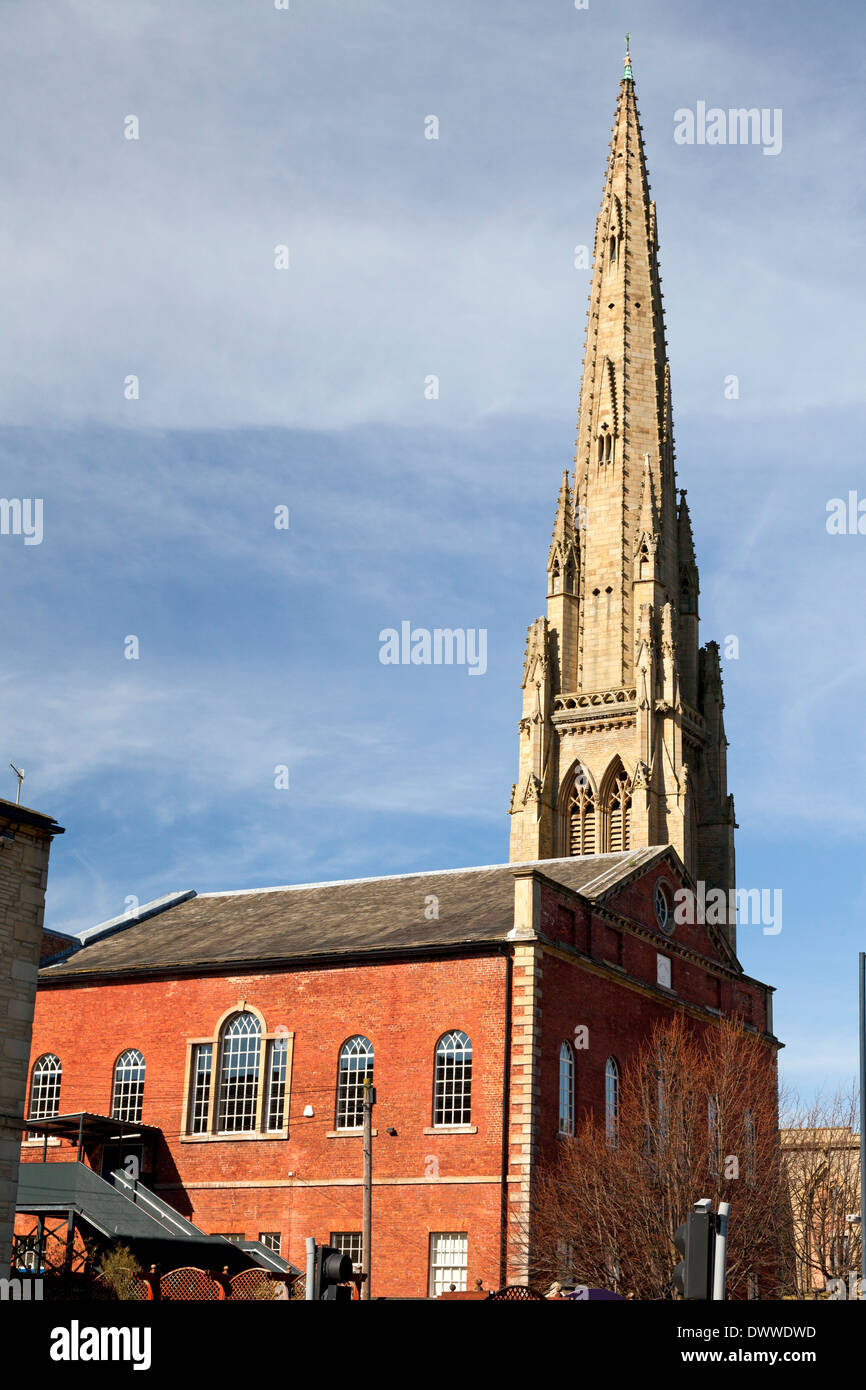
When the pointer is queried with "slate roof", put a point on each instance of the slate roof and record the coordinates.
(326, 920)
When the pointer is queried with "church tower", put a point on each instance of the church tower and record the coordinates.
(622, 741)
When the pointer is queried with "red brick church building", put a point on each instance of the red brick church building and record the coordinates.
(230, 1033)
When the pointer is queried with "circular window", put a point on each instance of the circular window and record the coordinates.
(662, 905)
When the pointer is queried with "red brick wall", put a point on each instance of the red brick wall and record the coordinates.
(243, 1185)
(88, 1026)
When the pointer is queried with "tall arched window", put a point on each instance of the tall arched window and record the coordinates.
(45, 1087)
(605, 445)
(355, 1066)
(618, 809)
(581, 815)
(611, 1100)
(127, 1093)
(240, 1053)
(566, 1089)
(452, 1085)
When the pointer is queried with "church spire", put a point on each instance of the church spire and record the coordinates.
(623, 401)
(614, 691)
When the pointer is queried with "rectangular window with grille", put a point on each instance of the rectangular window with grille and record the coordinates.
(234, 1236)
(272, 1239)
(278, 1052)
(350, 1243)
(448, 1261)
(199, 1100)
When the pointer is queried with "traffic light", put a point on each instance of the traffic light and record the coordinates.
(696, 1240)
(333, 1268)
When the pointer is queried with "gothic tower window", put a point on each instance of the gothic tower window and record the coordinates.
(605, 444)
(581, 815)
(617, 810)
(613, 252)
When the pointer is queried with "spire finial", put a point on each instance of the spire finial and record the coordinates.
(626, 72)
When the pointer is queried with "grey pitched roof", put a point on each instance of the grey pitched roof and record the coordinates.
(312, 921)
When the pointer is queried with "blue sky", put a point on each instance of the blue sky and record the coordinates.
(305, 387)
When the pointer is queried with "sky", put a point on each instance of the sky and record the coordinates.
(257, 387)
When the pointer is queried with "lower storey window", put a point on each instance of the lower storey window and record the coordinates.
(350, 1243)
(448, 1262)
(272, 1239)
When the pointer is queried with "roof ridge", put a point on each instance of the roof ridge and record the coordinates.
(415, 873)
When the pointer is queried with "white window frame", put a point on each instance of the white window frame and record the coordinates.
(565, 1124)
(210, 1106)
(350, 1082)
(448, 1262)
(127, 1086)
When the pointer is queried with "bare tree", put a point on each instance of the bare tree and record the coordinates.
(821, 1161)
(698, 1117)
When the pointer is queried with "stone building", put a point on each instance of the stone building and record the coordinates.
(230, 1033)
(25, 844)
(622, 740)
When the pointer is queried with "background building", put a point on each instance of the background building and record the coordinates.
(25, 844)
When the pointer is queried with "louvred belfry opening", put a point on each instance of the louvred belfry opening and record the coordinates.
(619, 812)
(581, 813)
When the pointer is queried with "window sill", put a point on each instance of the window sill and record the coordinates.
(348, 1133)
(272, 1135)
(452, 1129)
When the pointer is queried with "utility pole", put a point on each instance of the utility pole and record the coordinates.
(863, 1124)
(367, 1221)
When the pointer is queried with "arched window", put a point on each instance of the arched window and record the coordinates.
(618, 810)
(581, 815)
(611, 1100)
(356, 1065)
(127, 1092)
(613, 246)
(238, 1080)
(240, 1054)
(605, 445)
(452, 1086)
(45, 1087)
(566, 1089)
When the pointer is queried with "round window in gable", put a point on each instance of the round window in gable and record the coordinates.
(662, 905)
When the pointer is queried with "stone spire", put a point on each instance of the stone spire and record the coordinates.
(624, 401)
(614, 689)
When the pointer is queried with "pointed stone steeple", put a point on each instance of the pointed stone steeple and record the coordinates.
(613, 677)
(623, 399)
